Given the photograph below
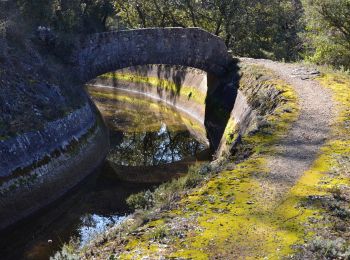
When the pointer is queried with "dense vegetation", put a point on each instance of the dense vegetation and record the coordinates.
(316, 30)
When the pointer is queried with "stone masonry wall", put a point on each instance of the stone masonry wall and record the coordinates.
(38, 167)
(23, 150)
(192, 47)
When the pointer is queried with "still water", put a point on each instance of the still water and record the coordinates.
(145, 136)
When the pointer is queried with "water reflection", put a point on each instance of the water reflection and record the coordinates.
(90, 208)
(146, 138)
(145, 132)
(153, 148)
(93, 224)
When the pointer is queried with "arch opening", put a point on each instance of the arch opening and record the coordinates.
(199, 95)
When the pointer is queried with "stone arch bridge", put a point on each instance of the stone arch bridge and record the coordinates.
(191, 47)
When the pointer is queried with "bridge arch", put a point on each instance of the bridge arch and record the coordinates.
(190, 47)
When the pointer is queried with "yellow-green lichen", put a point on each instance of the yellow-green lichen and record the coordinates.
(188, 92)
(231, 132)
(249, 226)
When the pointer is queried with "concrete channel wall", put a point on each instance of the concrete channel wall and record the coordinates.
(27, 148)
(181, 87)
(38, 167)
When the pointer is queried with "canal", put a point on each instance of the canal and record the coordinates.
(150, 142)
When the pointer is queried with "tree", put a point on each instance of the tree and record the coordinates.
(38, 12)
(257, 28)
(68, 16)
(327, 37)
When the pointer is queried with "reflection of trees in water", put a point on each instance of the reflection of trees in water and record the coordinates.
(152, 148)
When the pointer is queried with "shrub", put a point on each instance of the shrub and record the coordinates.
(327, 32)
(159, 233)
(141, 200)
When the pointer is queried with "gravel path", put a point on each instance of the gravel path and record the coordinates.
(298, 150)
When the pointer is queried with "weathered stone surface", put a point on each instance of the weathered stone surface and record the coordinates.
(181, 77)
(24, 149)
(53, 179)
(242, 116)
(192, 47)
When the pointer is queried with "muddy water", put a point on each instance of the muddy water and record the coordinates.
(144, 134)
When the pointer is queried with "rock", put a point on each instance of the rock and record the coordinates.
(305, 73)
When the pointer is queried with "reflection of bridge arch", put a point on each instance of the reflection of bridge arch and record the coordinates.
(192, 47)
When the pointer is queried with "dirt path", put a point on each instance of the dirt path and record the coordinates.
(297, 151)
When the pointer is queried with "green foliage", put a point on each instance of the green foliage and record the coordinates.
(331, 249)
(159, 233)
(38, 12)
(318, 30)
(250, 28)
(67, 253)
(75, 16)
(327, 36)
